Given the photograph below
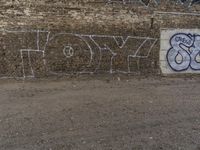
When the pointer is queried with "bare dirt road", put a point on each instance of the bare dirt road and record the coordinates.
(99, 114)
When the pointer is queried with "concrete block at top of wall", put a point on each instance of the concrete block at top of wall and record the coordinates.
(180, 51)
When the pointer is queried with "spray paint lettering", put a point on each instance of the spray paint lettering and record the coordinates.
(184, 52)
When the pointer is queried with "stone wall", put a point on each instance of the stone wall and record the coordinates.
(58, 37)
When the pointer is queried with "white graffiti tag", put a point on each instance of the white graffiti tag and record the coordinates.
(39, 52)
(184, 52)
(68, 51)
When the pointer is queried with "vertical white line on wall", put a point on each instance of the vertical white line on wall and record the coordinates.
(30, 64)
(38, 39)
(44, 50)
(22, 59)
(100, 51)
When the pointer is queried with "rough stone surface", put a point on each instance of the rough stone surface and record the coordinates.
(88, 17)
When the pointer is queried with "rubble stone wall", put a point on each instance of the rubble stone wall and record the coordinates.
(59, 37)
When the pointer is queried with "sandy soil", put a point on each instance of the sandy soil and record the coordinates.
(100, 114)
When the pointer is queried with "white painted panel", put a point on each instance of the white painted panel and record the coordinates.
(180, 51)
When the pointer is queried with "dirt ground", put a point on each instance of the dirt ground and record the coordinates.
(100, 114)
